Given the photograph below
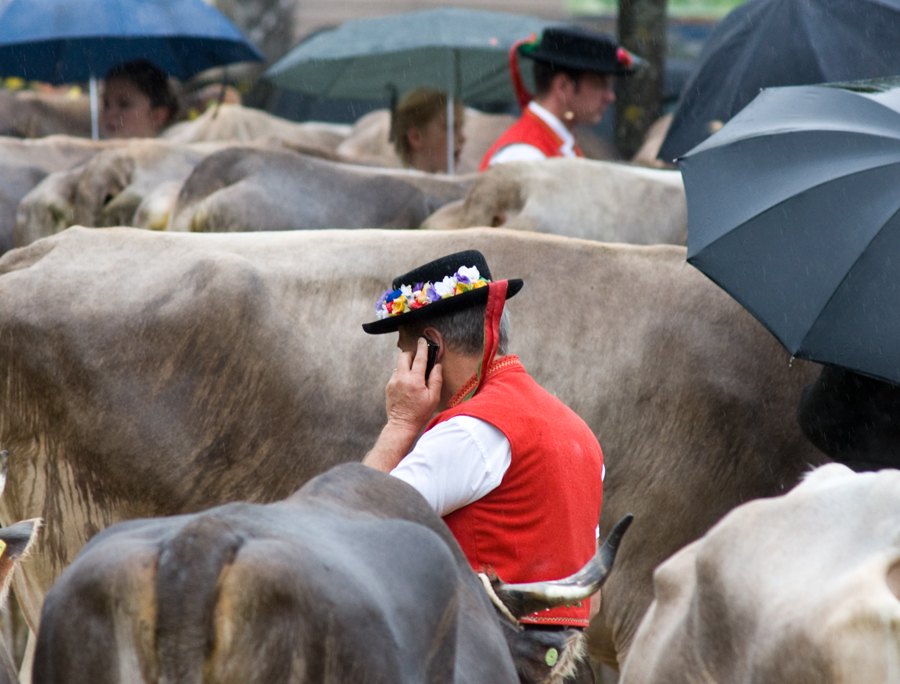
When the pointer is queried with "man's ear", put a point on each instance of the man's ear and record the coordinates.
(434, 335)
(563, 84)
(414, 136)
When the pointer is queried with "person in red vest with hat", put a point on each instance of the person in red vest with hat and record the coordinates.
(514, 472)
(574, 72)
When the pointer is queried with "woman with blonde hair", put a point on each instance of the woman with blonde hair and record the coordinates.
(419, 130)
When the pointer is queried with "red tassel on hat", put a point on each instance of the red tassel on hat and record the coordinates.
(496, 300)
(522, 94)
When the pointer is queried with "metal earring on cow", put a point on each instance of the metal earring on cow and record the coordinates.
(525, 599)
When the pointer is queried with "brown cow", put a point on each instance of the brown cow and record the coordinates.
(234, 123)
(134, 182)
(797, 589)
(353, 578)
(109, 189)
(36, 115)
(138, 182)
(250, 189)
(594, 200)
(25, 163)
(152, 374)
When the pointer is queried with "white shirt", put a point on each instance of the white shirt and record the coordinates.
(456, 462)
(524, 152)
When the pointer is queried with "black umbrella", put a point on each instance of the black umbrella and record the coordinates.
(768, 43)
(794, 210)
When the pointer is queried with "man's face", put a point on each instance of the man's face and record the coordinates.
(590, 97)
(407, 342)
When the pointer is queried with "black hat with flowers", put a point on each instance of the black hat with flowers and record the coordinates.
(573, 47)
(456, 281)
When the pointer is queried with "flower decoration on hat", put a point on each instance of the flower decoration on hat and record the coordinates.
(625, 58)
(411, 297)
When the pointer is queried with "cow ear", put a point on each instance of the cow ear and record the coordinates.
(525, 599)
(15, 543)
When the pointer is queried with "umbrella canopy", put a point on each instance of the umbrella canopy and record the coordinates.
(62, 41)
(766, 43)
(461, 51)
(794, 210)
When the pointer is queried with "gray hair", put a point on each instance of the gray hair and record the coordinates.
(463, 330)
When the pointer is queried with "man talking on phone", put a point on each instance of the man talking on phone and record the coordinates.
(515, 474)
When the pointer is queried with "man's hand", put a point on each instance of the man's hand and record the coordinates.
(410, 404)
(408, 400)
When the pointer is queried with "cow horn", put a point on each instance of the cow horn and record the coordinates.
(525, 599)
(4, 469)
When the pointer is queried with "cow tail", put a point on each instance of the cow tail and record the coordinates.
(190, 568)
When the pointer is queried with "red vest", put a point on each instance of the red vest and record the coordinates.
(532, 130)
(540, 523)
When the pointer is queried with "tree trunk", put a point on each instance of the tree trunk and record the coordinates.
(642, 30)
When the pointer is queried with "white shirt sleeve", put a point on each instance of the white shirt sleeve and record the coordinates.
(456, 462)
(517, 152)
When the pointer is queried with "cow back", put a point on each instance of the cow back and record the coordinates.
(327, 586)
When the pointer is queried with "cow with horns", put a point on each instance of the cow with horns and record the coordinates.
(352, 578)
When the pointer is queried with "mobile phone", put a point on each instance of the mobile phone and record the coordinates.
(433, 348)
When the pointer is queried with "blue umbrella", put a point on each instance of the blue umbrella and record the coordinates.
(62, 41)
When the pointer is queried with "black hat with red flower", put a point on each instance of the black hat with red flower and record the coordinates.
(573, 47)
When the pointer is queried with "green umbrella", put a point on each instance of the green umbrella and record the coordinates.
(463, 52)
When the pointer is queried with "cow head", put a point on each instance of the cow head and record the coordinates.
(15, 540)
(543, 657)
(15, 543)
(496, 198)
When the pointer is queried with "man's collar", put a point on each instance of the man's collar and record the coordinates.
(500, 364)
(555, 125)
